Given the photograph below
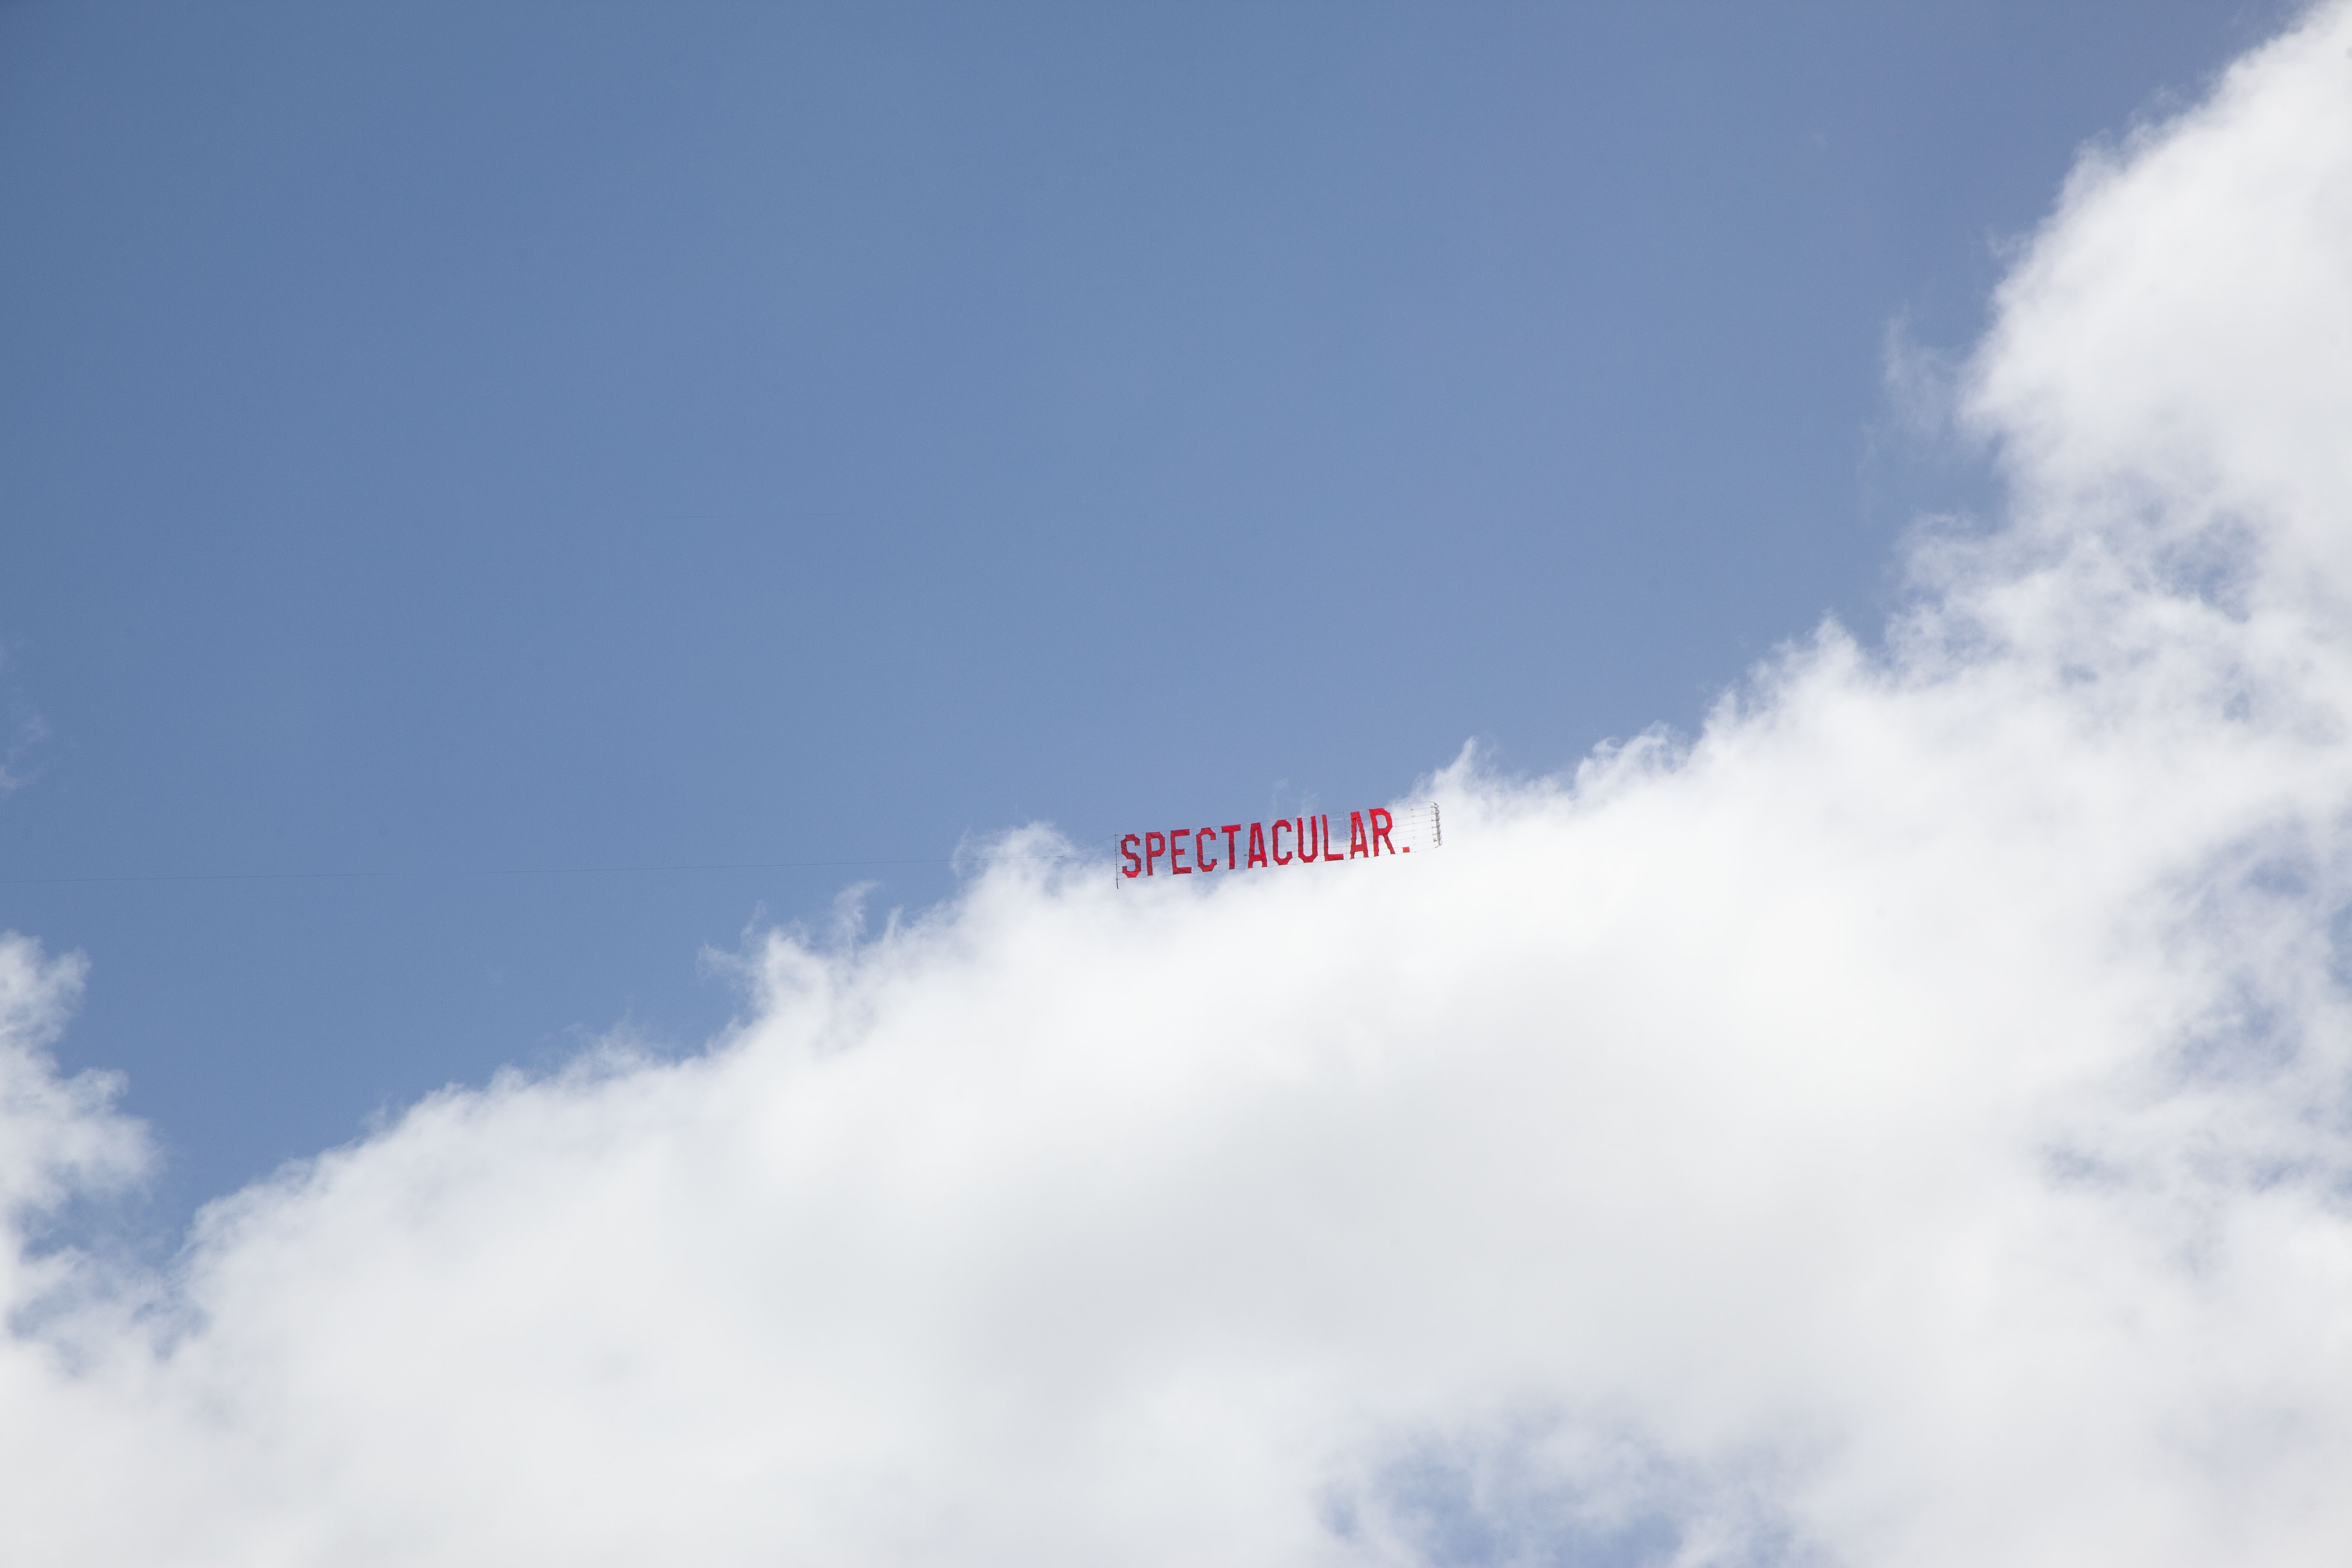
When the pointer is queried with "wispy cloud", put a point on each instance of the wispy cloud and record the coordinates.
(22, 731)
(1909, 1123)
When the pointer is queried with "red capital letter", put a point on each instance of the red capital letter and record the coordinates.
(1176, 853)
(1154, 846)
(1305, 837)
(1356, 841)
(1381, 823)
(1199, 860)
(1279, 857)
(1127, 853)
(1257, 844)
(1231, 863)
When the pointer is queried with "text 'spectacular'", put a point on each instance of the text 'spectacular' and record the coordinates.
(1289, 841)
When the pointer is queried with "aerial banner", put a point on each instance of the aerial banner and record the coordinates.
(1310, 840)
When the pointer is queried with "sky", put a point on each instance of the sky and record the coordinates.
(448, 441)
(1867, 1078)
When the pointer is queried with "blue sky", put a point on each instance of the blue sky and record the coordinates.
(516, 517)
(438, 440)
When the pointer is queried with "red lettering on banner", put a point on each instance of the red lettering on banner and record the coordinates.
(1370, 834)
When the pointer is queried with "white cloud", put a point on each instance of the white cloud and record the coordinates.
(1911, 1125)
